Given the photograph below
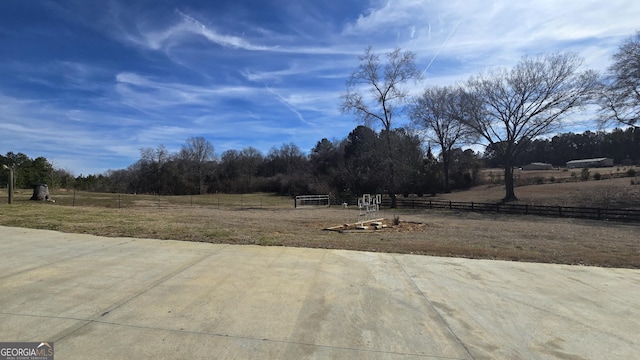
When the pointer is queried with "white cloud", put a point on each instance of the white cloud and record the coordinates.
(478, 35)
(392, 15)
(151, 95)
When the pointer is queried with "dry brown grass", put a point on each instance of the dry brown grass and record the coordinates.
(605, 193)
(472, 235)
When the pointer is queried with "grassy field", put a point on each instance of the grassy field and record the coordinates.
(270, 220)
(615, 190)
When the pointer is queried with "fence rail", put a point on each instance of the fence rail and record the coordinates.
(630, 215)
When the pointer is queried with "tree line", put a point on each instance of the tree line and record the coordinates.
(344, 168)
(28, 172)
(621, 145)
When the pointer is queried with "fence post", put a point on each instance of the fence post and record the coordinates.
(472, 206)
(526, 209)
(450, 207)
(598, 213)
(498, 207)
(430, 205)
(560, 211)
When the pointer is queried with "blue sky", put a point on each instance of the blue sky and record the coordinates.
(87, 84)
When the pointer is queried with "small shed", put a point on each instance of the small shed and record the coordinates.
(538, 166)
(583, 163)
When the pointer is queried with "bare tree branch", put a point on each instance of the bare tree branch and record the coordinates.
(620, 90)
(516, 106)
(383, 84)
(439, 111)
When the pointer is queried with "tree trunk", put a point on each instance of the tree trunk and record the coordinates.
(445, 170)
(510, 194)
(392, 175)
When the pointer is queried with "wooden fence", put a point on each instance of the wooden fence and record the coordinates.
(629, 215)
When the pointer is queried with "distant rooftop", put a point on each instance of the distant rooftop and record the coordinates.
(587, 160)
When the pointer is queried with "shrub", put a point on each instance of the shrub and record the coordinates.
(552, 179)
(631, 172)
(584, 174)
(597, 176)
(574, 176)
(538, 180)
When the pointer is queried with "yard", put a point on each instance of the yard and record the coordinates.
(269, 220)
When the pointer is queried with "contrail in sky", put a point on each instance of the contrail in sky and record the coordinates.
(441, 46)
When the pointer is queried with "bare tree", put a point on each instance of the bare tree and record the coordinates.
(153, 165)
(439, 111)
(197, 152)
(159, 155)
(511, 107)
(374, 94)
(250, 161)
(620, 96)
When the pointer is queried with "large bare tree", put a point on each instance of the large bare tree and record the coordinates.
(375, 94)
(196, 153)
(508, 108)
(620, 96)
(438, 111)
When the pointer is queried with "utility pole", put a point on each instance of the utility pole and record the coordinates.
(10, 200)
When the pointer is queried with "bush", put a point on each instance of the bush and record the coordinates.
(538, 180)
(597, 176)
(631, 172)
(552, 179)
(584, 174)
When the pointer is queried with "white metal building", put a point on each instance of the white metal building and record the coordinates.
(597, 162)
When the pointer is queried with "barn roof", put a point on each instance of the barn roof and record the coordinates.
(586, 160)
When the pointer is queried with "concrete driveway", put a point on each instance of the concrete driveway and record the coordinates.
(123, 298)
